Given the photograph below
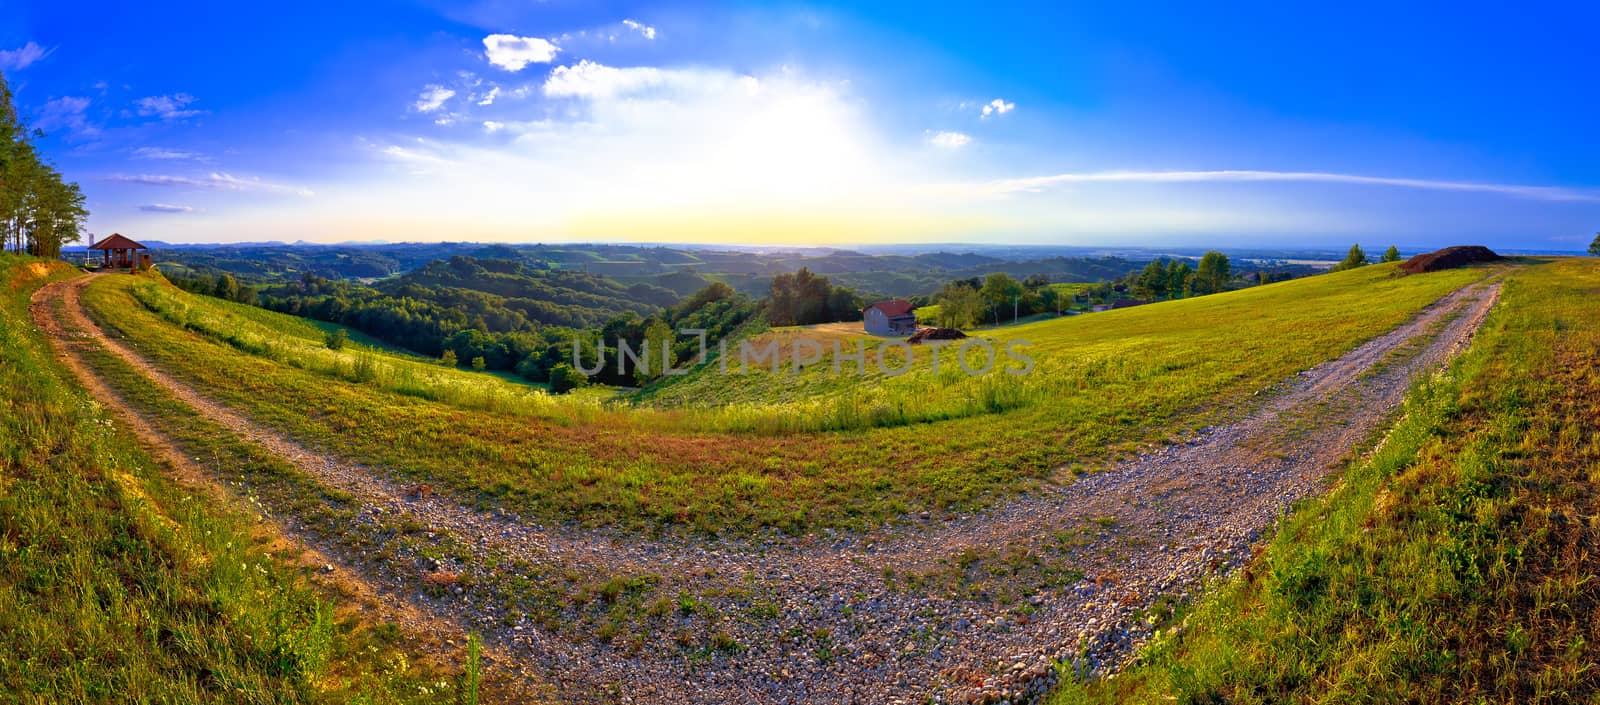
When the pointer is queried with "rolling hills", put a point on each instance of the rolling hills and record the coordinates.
(777, 534)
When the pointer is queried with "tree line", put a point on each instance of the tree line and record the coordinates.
(1357, 257)
(1000, 297)
(481, 331)
(805, 298)
(39, 210)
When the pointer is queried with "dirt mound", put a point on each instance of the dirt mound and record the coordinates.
(1449, 258)
(936, 334)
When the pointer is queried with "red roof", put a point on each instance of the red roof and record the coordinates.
(892, 309)
(117, 242)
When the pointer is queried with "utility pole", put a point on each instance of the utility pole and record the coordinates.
(1014, 299)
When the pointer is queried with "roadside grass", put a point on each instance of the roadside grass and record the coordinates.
(737, 453)
(118, 586)
(429, 558)
(1455, 565)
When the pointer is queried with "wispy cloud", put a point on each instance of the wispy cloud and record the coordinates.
(167, 107)
(997, 107)
(67, 113)
(1040, 183)
(23, 57)
(165, 208)
(645, 30)
(163, 153)
(514, 53)
(595, 81)
(215, 181)
(949, 140)
(432, 98)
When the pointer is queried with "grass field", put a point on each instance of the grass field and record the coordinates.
(740, 452)
(118, 586)
(1455, 565)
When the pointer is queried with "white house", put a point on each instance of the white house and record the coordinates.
(889, 318)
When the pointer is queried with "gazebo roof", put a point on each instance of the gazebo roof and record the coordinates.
(117, 242)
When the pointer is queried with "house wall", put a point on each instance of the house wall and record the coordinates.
(875, 322)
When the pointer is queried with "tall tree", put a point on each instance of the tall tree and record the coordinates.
(1355, 258)
(1152, 282)
(1594, 247)
(39, 211)
(1180, 279)
(1392, 254)
(1001, 289)
(1213, 273)
(960, 305)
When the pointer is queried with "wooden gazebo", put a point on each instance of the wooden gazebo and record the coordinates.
(123, 253)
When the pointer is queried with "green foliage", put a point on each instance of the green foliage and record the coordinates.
(478, 364)
(1180, 279)
(804, 298)
(564, 379)
(1152, 282)
(1594, 247)
(1392, 254)
(1213, 274)
(226, 287)
(472, 678)
(960, 305)
(448, 358)
(1356, 258)
(39, 210)
(335, 339)
(1000, 290)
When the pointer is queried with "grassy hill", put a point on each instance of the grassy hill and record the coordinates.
(735, 453)
(117, 585)
(1456, 564)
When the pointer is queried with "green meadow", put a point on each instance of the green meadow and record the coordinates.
(720, 453)
(1453, 565)
(116, 585)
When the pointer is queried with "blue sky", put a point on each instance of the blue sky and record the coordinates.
(1104, 124)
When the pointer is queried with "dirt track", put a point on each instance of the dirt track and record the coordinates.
(1152, 526)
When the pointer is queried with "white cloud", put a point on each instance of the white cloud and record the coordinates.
(167, 107)
(163, 153)
(23, 56)
(1039, 183)
(165, 208)
(432, 98)
(67, 113)
(624, 141)
(215, 181)
(949, 140)
(644, 29)
(998, 107)
(488, 98)
(513, 53)
(593, 81)
(588, 79)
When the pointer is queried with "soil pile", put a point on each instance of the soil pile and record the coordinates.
(1449, 258)
(936, 334)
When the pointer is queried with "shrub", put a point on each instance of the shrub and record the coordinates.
(564, 379)
(335, 339)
